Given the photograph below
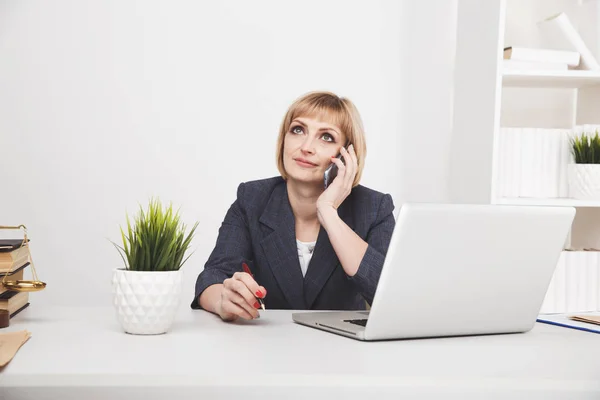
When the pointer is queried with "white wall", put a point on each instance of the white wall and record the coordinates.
(427, 49)
(104, 104)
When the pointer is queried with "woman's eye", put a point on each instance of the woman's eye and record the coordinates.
(327, 137)
(296, 129)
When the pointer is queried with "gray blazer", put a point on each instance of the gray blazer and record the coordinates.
(259, 227)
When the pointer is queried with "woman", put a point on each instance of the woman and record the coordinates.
(307, 247)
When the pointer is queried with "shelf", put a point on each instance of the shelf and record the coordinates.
(523, 201)
(550, 79)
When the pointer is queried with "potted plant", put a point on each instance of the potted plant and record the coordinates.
(146, 292)
(584, 173)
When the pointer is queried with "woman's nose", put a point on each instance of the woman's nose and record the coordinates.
(308, 146)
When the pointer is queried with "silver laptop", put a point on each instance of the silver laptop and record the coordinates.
(458, 269)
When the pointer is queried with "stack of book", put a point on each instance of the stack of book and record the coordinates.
(524, 58)
(14, 260)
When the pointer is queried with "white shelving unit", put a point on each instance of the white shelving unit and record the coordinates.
(488, 98)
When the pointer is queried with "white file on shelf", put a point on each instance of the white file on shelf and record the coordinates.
(592, 282)
(532, 163)
(575, 284)
(555, 300)
(565, 158)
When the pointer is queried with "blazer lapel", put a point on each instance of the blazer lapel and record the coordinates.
(280, 247)
(324, 260)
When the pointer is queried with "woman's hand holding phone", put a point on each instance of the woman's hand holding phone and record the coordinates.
(341, 186)
(331, 172)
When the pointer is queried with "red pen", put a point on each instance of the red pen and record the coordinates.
(247, 270)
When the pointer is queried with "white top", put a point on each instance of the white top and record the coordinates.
(305, 252)
(74, 351)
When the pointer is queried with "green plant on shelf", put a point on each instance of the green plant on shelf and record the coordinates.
(585, 148)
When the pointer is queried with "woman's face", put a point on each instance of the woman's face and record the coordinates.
(308, 147)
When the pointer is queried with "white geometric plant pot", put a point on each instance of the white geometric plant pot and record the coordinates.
(584, 181)
(146, 301)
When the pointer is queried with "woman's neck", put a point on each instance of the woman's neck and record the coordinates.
(303, 200)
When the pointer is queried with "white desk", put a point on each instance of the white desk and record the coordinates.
(82, 354)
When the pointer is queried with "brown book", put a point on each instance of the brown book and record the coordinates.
(15, 270)
(15, 302)
(14, 276)
(11, 260)
(10, 244)
(24, 306)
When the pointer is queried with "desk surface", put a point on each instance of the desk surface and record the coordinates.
(72, 349)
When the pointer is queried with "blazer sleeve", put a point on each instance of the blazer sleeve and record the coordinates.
(378, 240)
(233, 246)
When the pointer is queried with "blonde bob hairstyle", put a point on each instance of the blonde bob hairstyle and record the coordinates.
(328, 107)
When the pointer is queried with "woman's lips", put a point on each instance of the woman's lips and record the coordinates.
(303, 163)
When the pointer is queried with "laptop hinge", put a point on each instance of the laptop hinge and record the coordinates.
(337, 329)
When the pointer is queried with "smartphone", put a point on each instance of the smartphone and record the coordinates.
(331, 172)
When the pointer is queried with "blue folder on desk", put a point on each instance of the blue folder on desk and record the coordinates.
(564, 321)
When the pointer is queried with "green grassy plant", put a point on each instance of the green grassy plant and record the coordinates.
(585, 148)
(156, 240)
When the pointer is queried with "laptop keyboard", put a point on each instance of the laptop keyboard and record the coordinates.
(361, 322)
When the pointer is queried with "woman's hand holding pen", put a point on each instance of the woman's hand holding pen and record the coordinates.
(239, 297)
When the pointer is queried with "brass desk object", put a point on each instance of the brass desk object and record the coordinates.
(23, 285)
